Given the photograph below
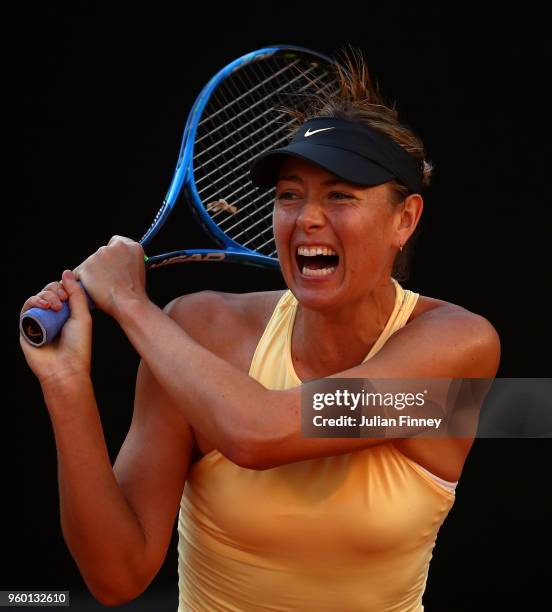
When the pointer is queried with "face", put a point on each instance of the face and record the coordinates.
(336, 240)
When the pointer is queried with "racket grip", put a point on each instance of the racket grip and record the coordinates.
(40, 326)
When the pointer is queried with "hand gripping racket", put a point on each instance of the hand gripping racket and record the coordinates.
(236, 117)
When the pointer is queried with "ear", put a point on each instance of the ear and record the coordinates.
(408, 216)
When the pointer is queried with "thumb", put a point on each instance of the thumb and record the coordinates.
(78, 301)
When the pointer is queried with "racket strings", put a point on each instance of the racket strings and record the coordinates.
(249, 109)
(234, 118)
(257, 133)
(243, 119)
(271, 135)
(244, 150)
(250, 91)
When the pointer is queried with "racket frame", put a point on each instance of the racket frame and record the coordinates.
(183, 178)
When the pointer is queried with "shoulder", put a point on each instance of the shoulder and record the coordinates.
(228, 324)
(249, 308)
(436, 310)
(464, 342)
(433, 309)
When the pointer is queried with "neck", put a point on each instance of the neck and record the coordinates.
(324, 343)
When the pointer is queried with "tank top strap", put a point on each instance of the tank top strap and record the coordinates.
(269, 365)
(405, 301)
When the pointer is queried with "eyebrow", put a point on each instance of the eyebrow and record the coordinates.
(328, 182)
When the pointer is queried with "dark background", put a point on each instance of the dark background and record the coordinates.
(100, 103)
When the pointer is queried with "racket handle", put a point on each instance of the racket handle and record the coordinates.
(40, 326)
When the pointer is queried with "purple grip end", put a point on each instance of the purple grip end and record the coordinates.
(40, 326)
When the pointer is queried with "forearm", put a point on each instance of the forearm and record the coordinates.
(100, 529)
(219, 401)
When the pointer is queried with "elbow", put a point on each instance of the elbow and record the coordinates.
(257, 440)
(111, 602)
(261, 444)
(241, 454)
(258, 454)
(114, 590)
(113, 573)
(247, 453)
(114, 597)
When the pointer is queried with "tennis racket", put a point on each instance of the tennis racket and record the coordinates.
(236, 117)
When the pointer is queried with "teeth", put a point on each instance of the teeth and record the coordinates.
(322, 272)
(312, 251)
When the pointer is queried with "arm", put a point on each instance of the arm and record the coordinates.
(253, 426)
(117, 521)
(99, 527)
(260, 428)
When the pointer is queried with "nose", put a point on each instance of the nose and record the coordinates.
(311, 215)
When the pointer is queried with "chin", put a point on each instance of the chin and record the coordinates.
(317, 294)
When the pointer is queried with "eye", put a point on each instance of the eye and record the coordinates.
(340, 195)
(286, 196)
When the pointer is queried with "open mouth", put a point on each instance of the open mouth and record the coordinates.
(317, 260)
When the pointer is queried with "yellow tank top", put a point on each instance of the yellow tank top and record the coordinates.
(351, 532)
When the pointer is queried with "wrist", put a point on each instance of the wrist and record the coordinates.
(124, 306)
(133, 310)
(68, 383)
(70, 401)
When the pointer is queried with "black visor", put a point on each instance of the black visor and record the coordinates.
(351, 151)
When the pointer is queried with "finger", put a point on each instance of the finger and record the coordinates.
(50, 297)
(124, 240)
(62, 294)
(45, 299)
(117, 238)
(78, 302)
(57, 288)
(35, 301)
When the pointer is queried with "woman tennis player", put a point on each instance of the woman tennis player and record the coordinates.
(269, 519)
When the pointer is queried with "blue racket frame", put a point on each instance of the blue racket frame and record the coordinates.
(183, 178)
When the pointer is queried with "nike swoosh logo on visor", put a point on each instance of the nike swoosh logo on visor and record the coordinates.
(310, 132)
